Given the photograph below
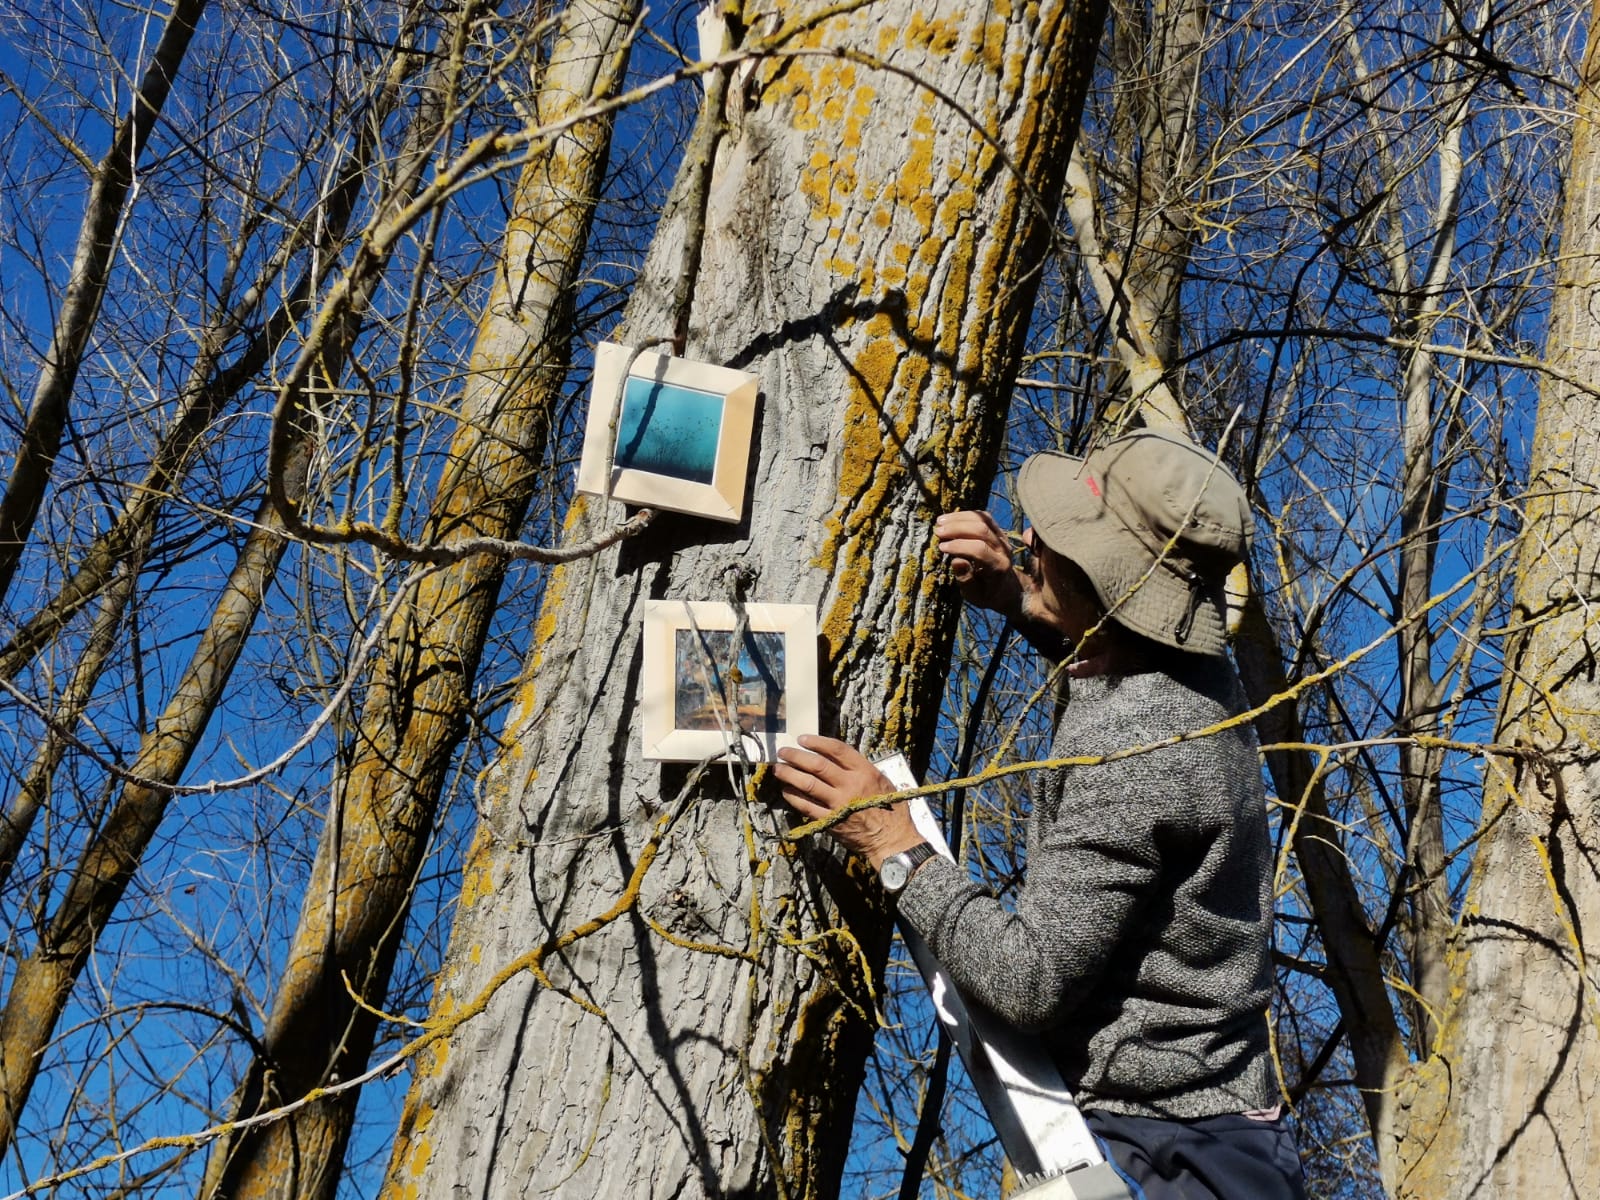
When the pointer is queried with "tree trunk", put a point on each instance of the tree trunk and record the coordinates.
(1507, 1105)
(41, 983)
(417, 707)
(1148, 215)
(649, 990)
(86, 288)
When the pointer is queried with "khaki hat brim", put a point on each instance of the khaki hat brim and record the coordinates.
(1064, 505)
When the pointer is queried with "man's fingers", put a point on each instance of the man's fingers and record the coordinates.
(805, 788)
(837, 756)
(969, 524)
(794, 777)
(989, 554)
(809, 762)
(803, 791)
(995, 529)
(976, 538)
(806, 808)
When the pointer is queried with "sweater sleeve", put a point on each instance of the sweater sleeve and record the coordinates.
(1090, 871)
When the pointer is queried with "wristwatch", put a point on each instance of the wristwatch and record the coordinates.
(895, 871)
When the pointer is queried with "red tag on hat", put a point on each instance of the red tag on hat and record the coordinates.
(1093, 486)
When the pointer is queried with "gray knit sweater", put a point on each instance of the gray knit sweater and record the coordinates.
(1138, 946)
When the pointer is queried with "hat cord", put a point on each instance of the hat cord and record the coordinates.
(1186, 625)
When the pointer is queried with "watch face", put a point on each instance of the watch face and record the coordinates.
(894, 873)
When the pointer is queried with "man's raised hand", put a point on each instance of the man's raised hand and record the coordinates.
(979, 554)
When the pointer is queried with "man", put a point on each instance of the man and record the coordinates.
(1138, 946)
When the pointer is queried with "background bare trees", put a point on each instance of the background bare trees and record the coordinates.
(311, 217)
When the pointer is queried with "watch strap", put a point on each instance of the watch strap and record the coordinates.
(911, 859)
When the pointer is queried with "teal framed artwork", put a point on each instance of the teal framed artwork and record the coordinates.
(668, 433)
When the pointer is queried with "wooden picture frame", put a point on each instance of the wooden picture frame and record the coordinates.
(688, 653)
(674, 434)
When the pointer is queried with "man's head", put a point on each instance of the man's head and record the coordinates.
(1154, 523)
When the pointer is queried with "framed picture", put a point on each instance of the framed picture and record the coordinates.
(704, 691)
(675, 433)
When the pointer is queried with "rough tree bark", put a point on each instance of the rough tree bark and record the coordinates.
(650, 991)
(421, 695)
(1507, 1105)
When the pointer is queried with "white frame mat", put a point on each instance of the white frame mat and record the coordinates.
(664, 741)
(720, 499)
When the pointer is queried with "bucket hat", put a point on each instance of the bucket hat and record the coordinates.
(1155, 522)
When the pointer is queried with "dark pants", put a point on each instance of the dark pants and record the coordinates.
(1214, 1158)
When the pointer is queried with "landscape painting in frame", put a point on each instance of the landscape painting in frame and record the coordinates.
(668, 433)
(711, 693)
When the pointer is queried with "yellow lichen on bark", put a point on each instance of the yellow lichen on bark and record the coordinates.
(545, 628)
(988, 47)
(939, 35)
(477, 873)
(923, 202)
